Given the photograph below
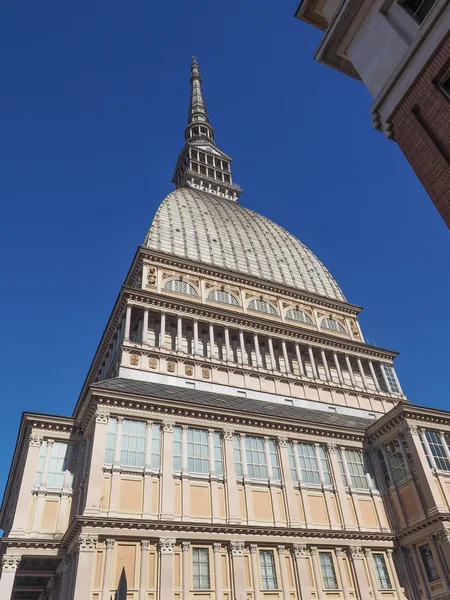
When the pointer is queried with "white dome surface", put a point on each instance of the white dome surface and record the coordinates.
(200, 227)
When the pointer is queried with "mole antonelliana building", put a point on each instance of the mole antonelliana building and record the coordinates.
(236, 438)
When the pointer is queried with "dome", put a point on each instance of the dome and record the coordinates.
(201, 227)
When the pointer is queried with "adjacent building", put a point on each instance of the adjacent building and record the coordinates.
(236, 438)
(400, 49)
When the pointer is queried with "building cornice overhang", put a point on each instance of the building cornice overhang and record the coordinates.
(254, 321)
(169, 409)
(306, 12)
(401, 414)
(184, 529)
(405, 534)
(244, 279)
(29, 544)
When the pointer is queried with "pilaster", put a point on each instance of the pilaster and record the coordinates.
(21, 514)
(238, 569)
(95, 472)
(10, 564)
(166, 547)
(87, 545)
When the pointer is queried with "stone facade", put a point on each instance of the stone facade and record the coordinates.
(236, 437)
(400, 50)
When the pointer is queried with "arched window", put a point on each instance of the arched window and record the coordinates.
(222, 296)
(332, 324)
(298, 315)
(180, 286)
(262, 306)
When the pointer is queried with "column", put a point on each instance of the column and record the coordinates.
(143, 579)
(257, 352)
(285, 468)
(342, 573)
(95, 468)
(217, 571)
(301, 554)
(361, 371)
(145, 327)
(283, 572)
(65, 577)
(242, 345)
(211, 341)
(10, 563)
(313, 362)
(374, 376)
(316, 570)
(185, 547)
(422, 583)
(298, 354)
(360, 572)
(87, 545)
(168, 488)
(230, 475)
(285, 356)
(162, 331)
(238, 569)
(337, 364)
(255, 571)
(372, 575)
(272, 354)
(48, 454)
(442, 566)
(179, 334)
(166, 546)
(195, 337)
(127, 323)
(20, 523)
(325, 364)
(268, 461)
(398, 587)
(350, 369)
(106, 585)
(228, 355)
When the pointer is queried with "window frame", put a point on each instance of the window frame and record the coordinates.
(419, 21)
(190, 289)
(324, 575)
(339, 328)
(258, 302)
(225, 292)
(304, 317)
(382, 572)
(431, 568)
(201, 551)
(265, 578)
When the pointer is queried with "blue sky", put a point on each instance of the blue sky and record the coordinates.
(94, 104)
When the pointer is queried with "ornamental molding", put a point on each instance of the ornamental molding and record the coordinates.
(331, 447)
(356, 552)
(217, 547)
(185, 546)
(237, 548)
(166, 545)
(167, 426)
(35, 439)
(253, 548)
(87, 541)
(109, 543)
(281, 549)
(145, 544)
(101, 417)
(159, 408)
(282, 441)
(300, 550)
(10, 562)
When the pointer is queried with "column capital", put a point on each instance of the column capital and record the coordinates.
(184, 427)
(300, 550)
(443, 536)
(410, 428)
(253, 548)
(101, 416)
(338, 552)
(217, 547)
(87, 541)
(227, 434)
(10, 562)
(185, 546)
(237, 548)
(332, 447)
(109, 543)
(148, 424)
(167, 426)
(166, 545)
(389, 552)
(282, 441)
(35, 439)
(50, 443)
(145, 544)
(281, 549)
(367, 552)
(313, 550)
(356, 552)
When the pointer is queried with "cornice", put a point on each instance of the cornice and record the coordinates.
(419, 527)
(105, 400)
(145, 299)
(185, 528)
(170, 260)
(30, 543)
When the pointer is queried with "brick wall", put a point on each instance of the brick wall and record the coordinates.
(421, 126)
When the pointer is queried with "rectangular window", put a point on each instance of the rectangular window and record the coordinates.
(437, 450)
(396, 461)
(57, 465)
(384, 468)
(218, 457)
(308, 463)
(274, 460)
(417, 9)
(200, 568)
(268, 573)
(355, 465)
(328, 572)
(256, 457)
(237, 455)
(156, 447)
(292, 461)
(110, 440)
(389, 372)
(428, 562)
(41, 462)
(384, 581)
(197, 450)
(132, 452)
(177, 449)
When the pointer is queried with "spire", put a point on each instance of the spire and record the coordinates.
(201, 165)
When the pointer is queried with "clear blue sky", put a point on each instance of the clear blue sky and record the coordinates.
(93, 108)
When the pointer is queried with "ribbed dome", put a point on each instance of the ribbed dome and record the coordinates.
(198, 226)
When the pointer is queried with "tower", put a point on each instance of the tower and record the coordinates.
(235, 436)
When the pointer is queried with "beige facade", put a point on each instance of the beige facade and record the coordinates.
(236, 438)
